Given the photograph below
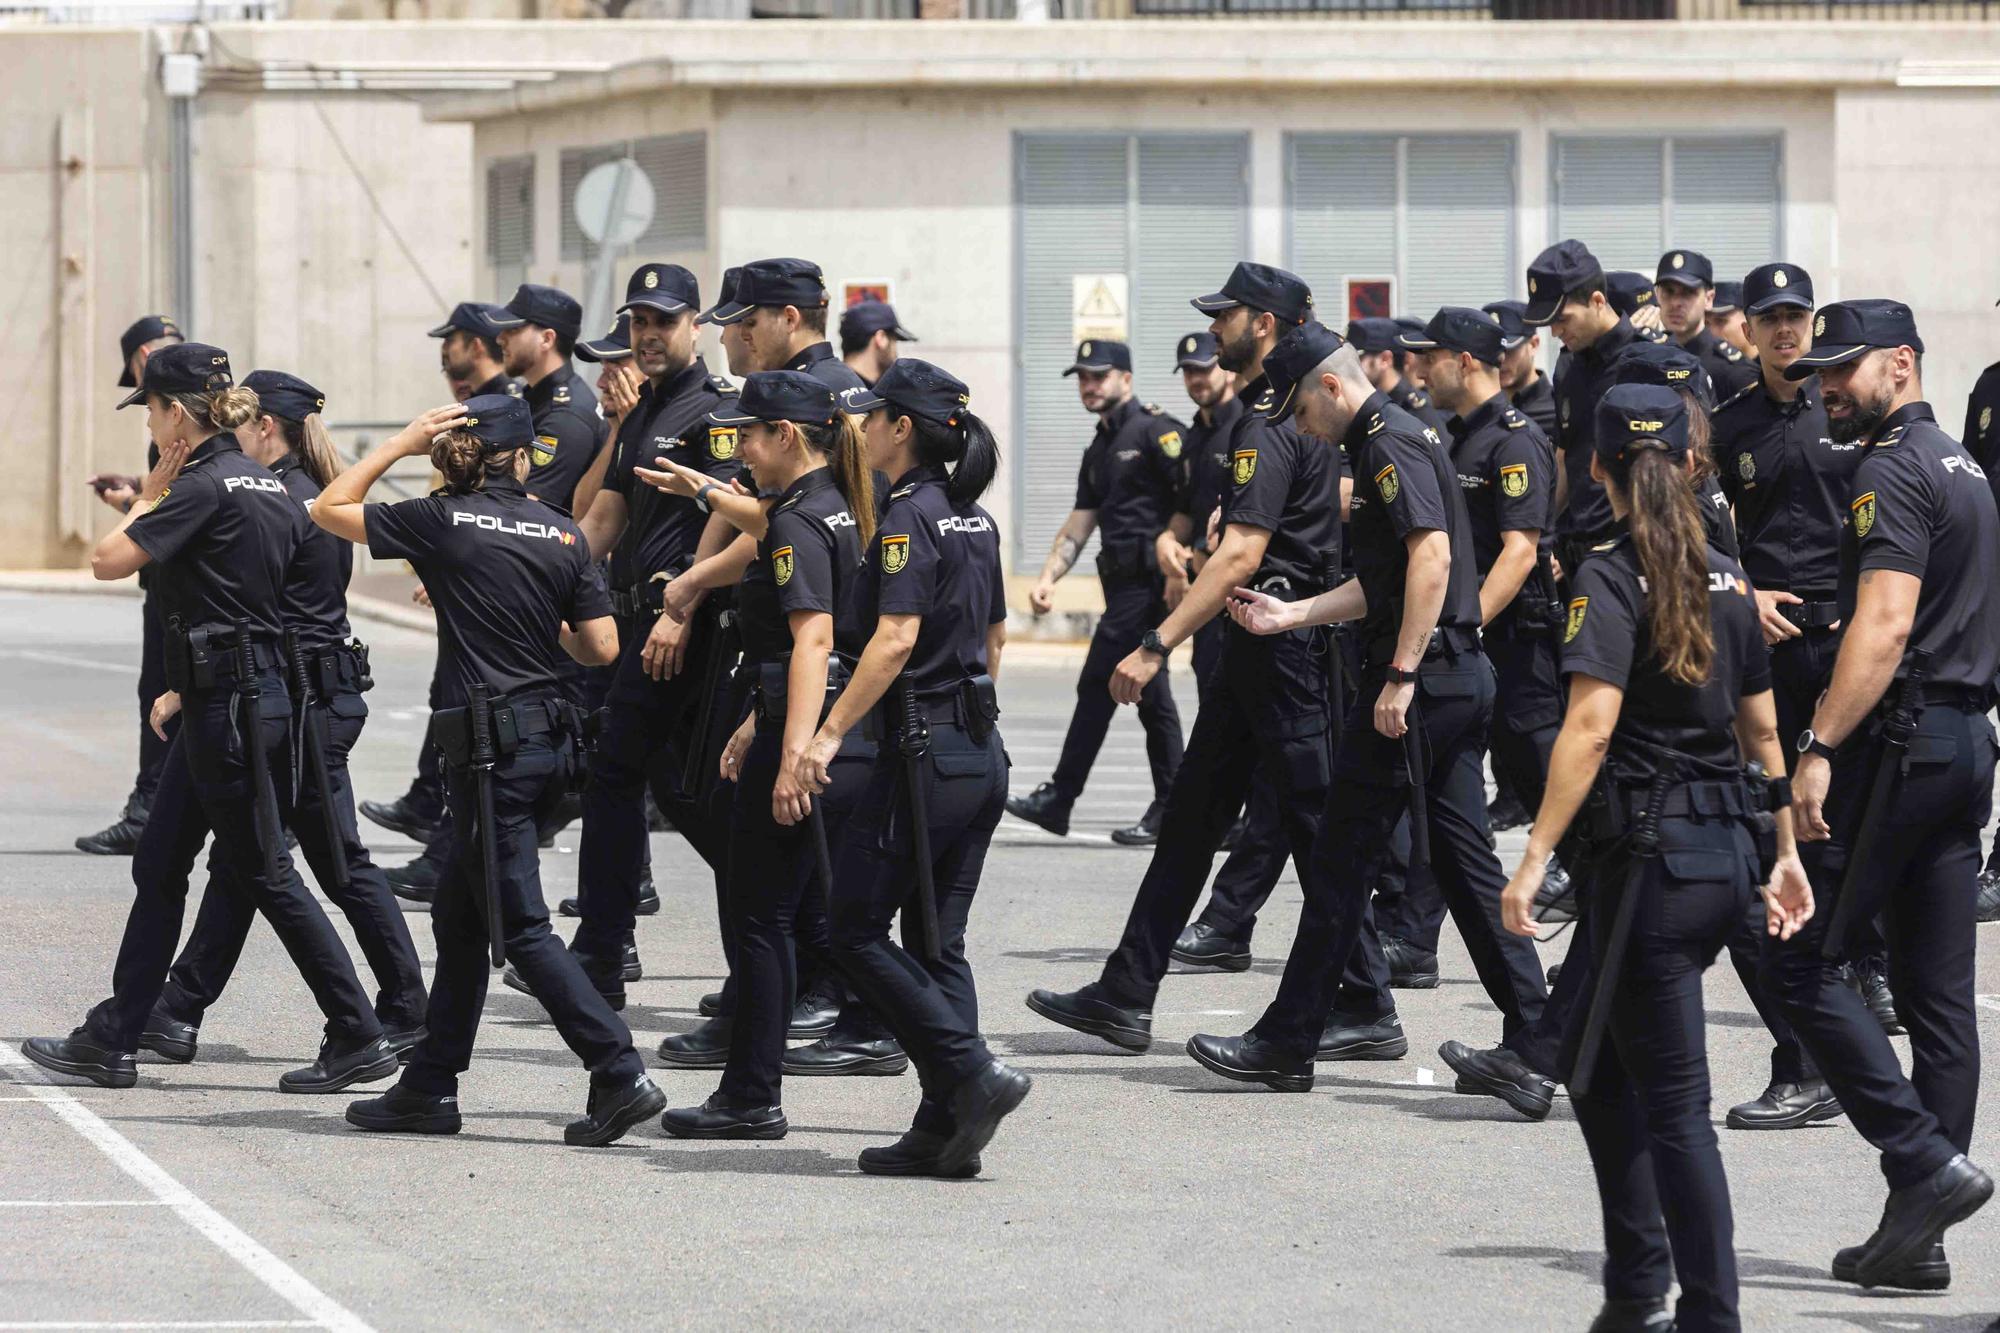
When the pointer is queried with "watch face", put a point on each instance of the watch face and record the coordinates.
(1806, 739)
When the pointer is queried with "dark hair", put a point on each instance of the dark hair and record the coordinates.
(1700, 436)
(812, 318)
(853, 340)
(840, 441)
(1672, 546)
(565, 346)
(466, 463)
(968, 448)
(309, 441)
(1581, 295)
(490, 346)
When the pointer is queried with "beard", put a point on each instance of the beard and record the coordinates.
(1862, 421)
(1239, 354)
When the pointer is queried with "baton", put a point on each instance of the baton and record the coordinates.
(711, 680)
(313, 725)
(250, 722)
(1413, 760)
(481, 723)
(915, 743)
(1897, 728)
(822, 856)
(1646, 851)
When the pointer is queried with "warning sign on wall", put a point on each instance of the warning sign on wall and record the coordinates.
(1100, 306)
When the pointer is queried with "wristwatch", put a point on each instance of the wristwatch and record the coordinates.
(1810, 743)
(1150, 641)
(1400, 676)
(701, 496)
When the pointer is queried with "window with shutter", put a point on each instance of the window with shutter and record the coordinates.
(571, 167)
(677, 165)
(1725, 202)
(1610, 194)
(510, 219)
(1191, 228)
(1630, 199)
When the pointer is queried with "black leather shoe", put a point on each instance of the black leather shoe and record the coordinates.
(1987, 906)
(403, 816)
(716, 1119)
(1144, 833)
(1932, 1272)
(416, 882)
(1089, 1010)
(1501, 1073)
(706, 1047)
(1916, 1217)
(568, 810)
(1555, 901)
(342, 1064)
(400, 1111)
(81, 1054)
(404, 1040)
(1349, 1037)
(168, 1037)
(1045, 807)
(1202, 945)
(1786, 1106)
(978, 1105)
(647, 905)
(834, 1054)
(1411, 966)
(1874, 985)
(1643, 1314)
(1555, 970)
(710, 1004)
(1248, 1060)
(120, 838)
(813, 1014)
(628, 963)
(915, 1154)
(1505, 812)
(612, 1111)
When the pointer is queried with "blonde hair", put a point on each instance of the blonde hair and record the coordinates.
(466, 462)
(225, 409)
(308, 441)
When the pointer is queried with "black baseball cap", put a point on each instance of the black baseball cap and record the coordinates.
(1261, 287)
(182, 368)
(499, 421)
(1377, 334)
(1640, 416)
(1665, 364)
(550, 307)
(1100, 354)
(284, 395)
(722, 297)
(1457, 328)
(613, 346)
(1628, 291)
(773, 282)
(1295, 356)
(1197, 351)
(1512, 318)
(1685, 268)
(664, 287)
(1557, 271)
(915, 387)
(1772, 285)
(1728, 296)
(479, 319)
(145, 329)
(864, 319)
(1842, 332)
(779, 395)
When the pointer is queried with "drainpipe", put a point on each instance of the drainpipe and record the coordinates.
(180, 81)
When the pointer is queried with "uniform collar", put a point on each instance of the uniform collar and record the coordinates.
(501, 383)
(285, 463)
(816, 480)
(811, 356)
(1220, 417)
(1367, 422)
(505, 484)
(687, 380)
(1119, 415)
(543, 389)
(1701, 344)
(1806, 397)
(920, 474)
(223, 443)
(1612, 342)
(1536, 387)
(1486, 413)
(1900, 420)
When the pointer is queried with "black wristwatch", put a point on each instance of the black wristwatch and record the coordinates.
(701, 496)
(1810, 743)
(1150, 641)
(1400, 676)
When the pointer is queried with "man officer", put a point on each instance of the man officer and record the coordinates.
(1726, 319)
(1528, 389)
(1921, 507)
(777, 309)
(1685, 284)
(1382, 358)
(870, 338)
(1127, 485)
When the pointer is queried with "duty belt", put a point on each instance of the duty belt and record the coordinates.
(1697, 800)
(206, 656)
(511, 722)
(773, 697)
(1811, 614)
(1446, 641)
(644, 598)
(338, 668)
(1971, 698)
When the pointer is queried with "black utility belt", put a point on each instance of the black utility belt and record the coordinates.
(1617, 808)
(971, 706)
(510, 722)
(1811, 614)
(1447, 642)
(646, 597)
(338, 668)
(1127, 566)
(1969, 698)
(774, 686)
(207, 656)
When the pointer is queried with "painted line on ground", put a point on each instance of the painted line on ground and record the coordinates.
(65, 659)
(83, 1203)
(1987, 1001)
(176, 1323)
(320, 1309)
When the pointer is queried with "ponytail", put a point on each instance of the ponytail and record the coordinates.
(225, 409)
(840, 441)
(311, 445)
(466, 463)
(968, 448)
(1672, 548)
(1700, 433)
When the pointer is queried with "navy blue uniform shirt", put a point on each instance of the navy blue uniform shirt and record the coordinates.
(940, 561)
(808, 561)
(569, 427)
(1790, 484)
(1205, 464)
(1131, 476)
(661, 530)
(1580, 382)
(1507, 469)
(1404, 483)
(222, 538)
(1288, 485)
(316, 584)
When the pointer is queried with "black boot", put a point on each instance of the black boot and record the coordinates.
(710, 1004)
(1637, 1314)
(648, 904)
(1872, 979)
(82, 1055)
(1987, 907)
(121, 837)
(813, 1014)
(716, 1119)
(341, 1064)
(1786, 1106)
(915, 1154)
(168, 1037)
(1045, 807)
(416, 882)
(1411, 966)
(1355, 1037)
(1144, 833)
(1932, 1272)
(1202, 945)
(977, 1107)
(1094, 1011)
(839, 1053)
(1916, 1217)
(1249, 1059)
(401, 1111)
(612, 1111)
(405, 816)
(706, 1047)
(1506, 811)
(1501, 1073)
(1555, 901)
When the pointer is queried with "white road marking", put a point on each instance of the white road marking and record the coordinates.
(1201, 1013)
(65, 659)
(1425, 1078)
(1987, 1001)
(320, 1309)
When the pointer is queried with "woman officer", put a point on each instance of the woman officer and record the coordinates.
(288, 437)
(514, 586)
(933, 588)
(221, 532)
(799, 616)
(1670, 693)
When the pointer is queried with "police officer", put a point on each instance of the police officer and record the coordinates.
(1669, 366)
(514, 586)
(1920, 520)
(1127, 485)
(933, 589)
(1668, 677)
(1183, 546)
(1383, 357)
(220, 532)
(1268, 698)
(326, 676)
(1420, 719)
(1982, 438)
(777, 308)
(1685, 286)
(1634, 296)
(141, 338)
(1726, 319)
(1528, 389)
(803, 627)
(870, 338)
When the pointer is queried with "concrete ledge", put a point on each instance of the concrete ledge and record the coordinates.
(74, 581)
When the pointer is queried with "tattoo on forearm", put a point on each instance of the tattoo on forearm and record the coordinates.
(1064, 556)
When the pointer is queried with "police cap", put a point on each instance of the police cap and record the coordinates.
(916, 388)
(1379, 334)
(779, 395)
(722, 297)
(1564, 267)
(613, 346)
(1628, 292)
(865, 319)
(1512, 318)
(183, 368)
(145, 329)
(478, 319)
(1667, 364)
(1632, 417)
(1457, 328)
(550, 307)
(1842, 332)
(1728, 297)
(1301, 351)
(1098, 355)
(773, 282)
(1261, 287)
(499, 421)
(1773, 285)
(1197, 351)
(284, 395)
(668, 288)
(1685, 268)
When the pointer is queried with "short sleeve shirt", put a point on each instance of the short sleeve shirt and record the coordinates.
(940, 561)
(1507, 469)
(1131, 477)
(662, 531)
(1289, 486)
(1404, 483)
(316, 583)
(569, 427)
(809, 560)
(222, 537)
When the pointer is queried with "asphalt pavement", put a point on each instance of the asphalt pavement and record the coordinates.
(1130, 1191)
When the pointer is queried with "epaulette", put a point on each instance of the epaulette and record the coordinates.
(1154, 409)
(906, 490)
(1740, 394)
(1613, 544)
(1513, 417)
(1892, 439)
(721, 384)
(1730, 352)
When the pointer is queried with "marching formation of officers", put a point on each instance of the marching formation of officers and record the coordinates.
(1700, 599)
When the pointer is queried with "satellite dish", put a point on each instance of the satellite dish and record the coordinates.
(614, 203)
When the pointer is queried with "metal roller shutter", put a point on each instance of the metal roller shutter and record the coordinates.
(1190, 229)
(1609, 194)
(677, 165)
(510, 220)
(1725, 202)
(1458, 222)
(1341, 222)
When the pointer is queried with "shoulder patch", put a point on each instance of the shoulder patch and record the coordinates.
(781, 565)
(1578, 606)
(160, 499)
(895, 553)
(1386, 483)
(722, 442)
(1863, 509)
(1514, 479)
(1170, 443)
(542, 450)
(1246, 466)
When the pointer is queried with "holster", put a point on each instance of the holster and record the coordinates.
(774, 686)
(510, 722)
(205, 657)
(979, 701)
